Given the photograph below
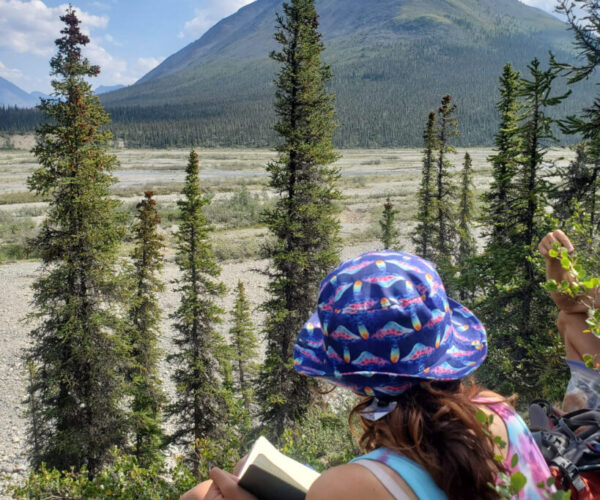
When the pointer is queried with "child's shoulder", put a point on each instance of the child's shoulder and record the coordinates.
(351, 482)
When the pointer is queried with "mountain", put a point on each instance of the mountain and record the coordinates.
(11, 95)
(104, 89)
(392, 60)
(39, 95)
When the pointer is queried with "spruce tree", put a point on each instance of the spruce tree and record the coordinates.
(244, 346)
(79, 352)
(583, 18)
(200, 408)
(444, 192)
(585, 26)
(498, 199)
(387, 223)
(532, 196)
(304, 220)
(516, 310)
(467, 246)
(144, 315)
(426, 209)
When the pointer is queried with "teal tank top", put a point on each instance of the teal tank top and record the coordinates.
(417, 478)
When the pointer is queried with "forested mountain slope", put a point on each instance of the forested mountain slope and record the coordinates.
(392, 61)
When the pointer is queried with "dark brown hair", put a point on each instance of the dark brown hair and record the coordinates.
(435, 425)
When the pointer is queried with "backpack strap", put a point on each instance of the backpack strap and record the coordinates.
(564, 447)
(570, 471)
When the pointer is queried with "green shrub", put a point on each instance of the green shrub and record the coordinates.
(25, 197)
(321, 439)
(248, 247)
(124, 480)
(15, 232)
(243, 209)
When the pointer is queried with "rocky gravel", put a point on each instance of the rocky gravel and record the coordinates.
(15, 304)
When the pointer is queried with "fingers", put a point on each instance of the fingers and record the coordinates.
(554, 237)
(240, 465)
(564, 240)
(227, 484)
(200, 492)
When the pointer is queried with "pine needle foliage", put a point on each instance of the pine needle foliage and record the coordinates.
(581, 178)
(387, 223)
(244, 346)
(304, 220)
(516, 310)
(467, 246)
(200, 407)
(578, 187)
(144, 315)
(79, 351)
(499, 198)
(426, 210)
(536, 134)
(444, 192)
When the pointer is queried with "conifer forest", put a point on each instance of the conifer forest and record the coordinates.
(156, 293)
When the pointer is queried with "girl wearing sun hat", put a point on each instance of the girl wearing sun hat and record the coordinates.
(385, 329)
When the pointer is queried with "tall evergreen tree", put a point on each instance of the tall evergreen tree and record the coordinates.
(516, 310)
(387, 223)
(467, 246)
(583, 18)
(444, 229)
(144, 315)
(200, 408)
(426, 210)
(79, 351)
(505, 161)
(304, 219)
(244, 346)
(532, 197)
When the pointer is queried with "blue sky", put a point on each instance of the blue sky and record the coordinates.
(128, 37)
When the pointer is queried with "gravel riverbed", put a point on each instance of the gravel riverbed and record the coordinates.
(15, 303)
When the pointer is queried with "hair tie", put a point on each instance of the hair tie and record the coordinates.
(378, 409)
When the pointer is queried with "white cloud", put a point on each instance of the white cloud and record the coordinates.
(11, 74)
(547, 5)
(145, 64)
(206, 17)
(30, 27)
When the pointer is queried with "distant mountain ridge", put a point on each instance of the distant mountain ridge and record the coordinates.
(11, 95)
(392, 61)
(104, 89)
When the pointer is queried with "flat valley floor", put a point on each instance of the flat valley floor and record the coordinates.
(238, 182)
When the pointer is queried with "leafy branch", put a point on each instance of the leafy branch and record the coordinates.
(580, 286)
(510, 484)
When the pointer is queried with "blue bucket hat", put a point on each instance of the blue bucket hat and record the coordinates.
(384, 323)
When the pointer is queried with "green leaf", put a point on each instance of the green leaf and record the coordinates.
(481, 416)
(517, 482)
(514, 460)
(553, 253)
